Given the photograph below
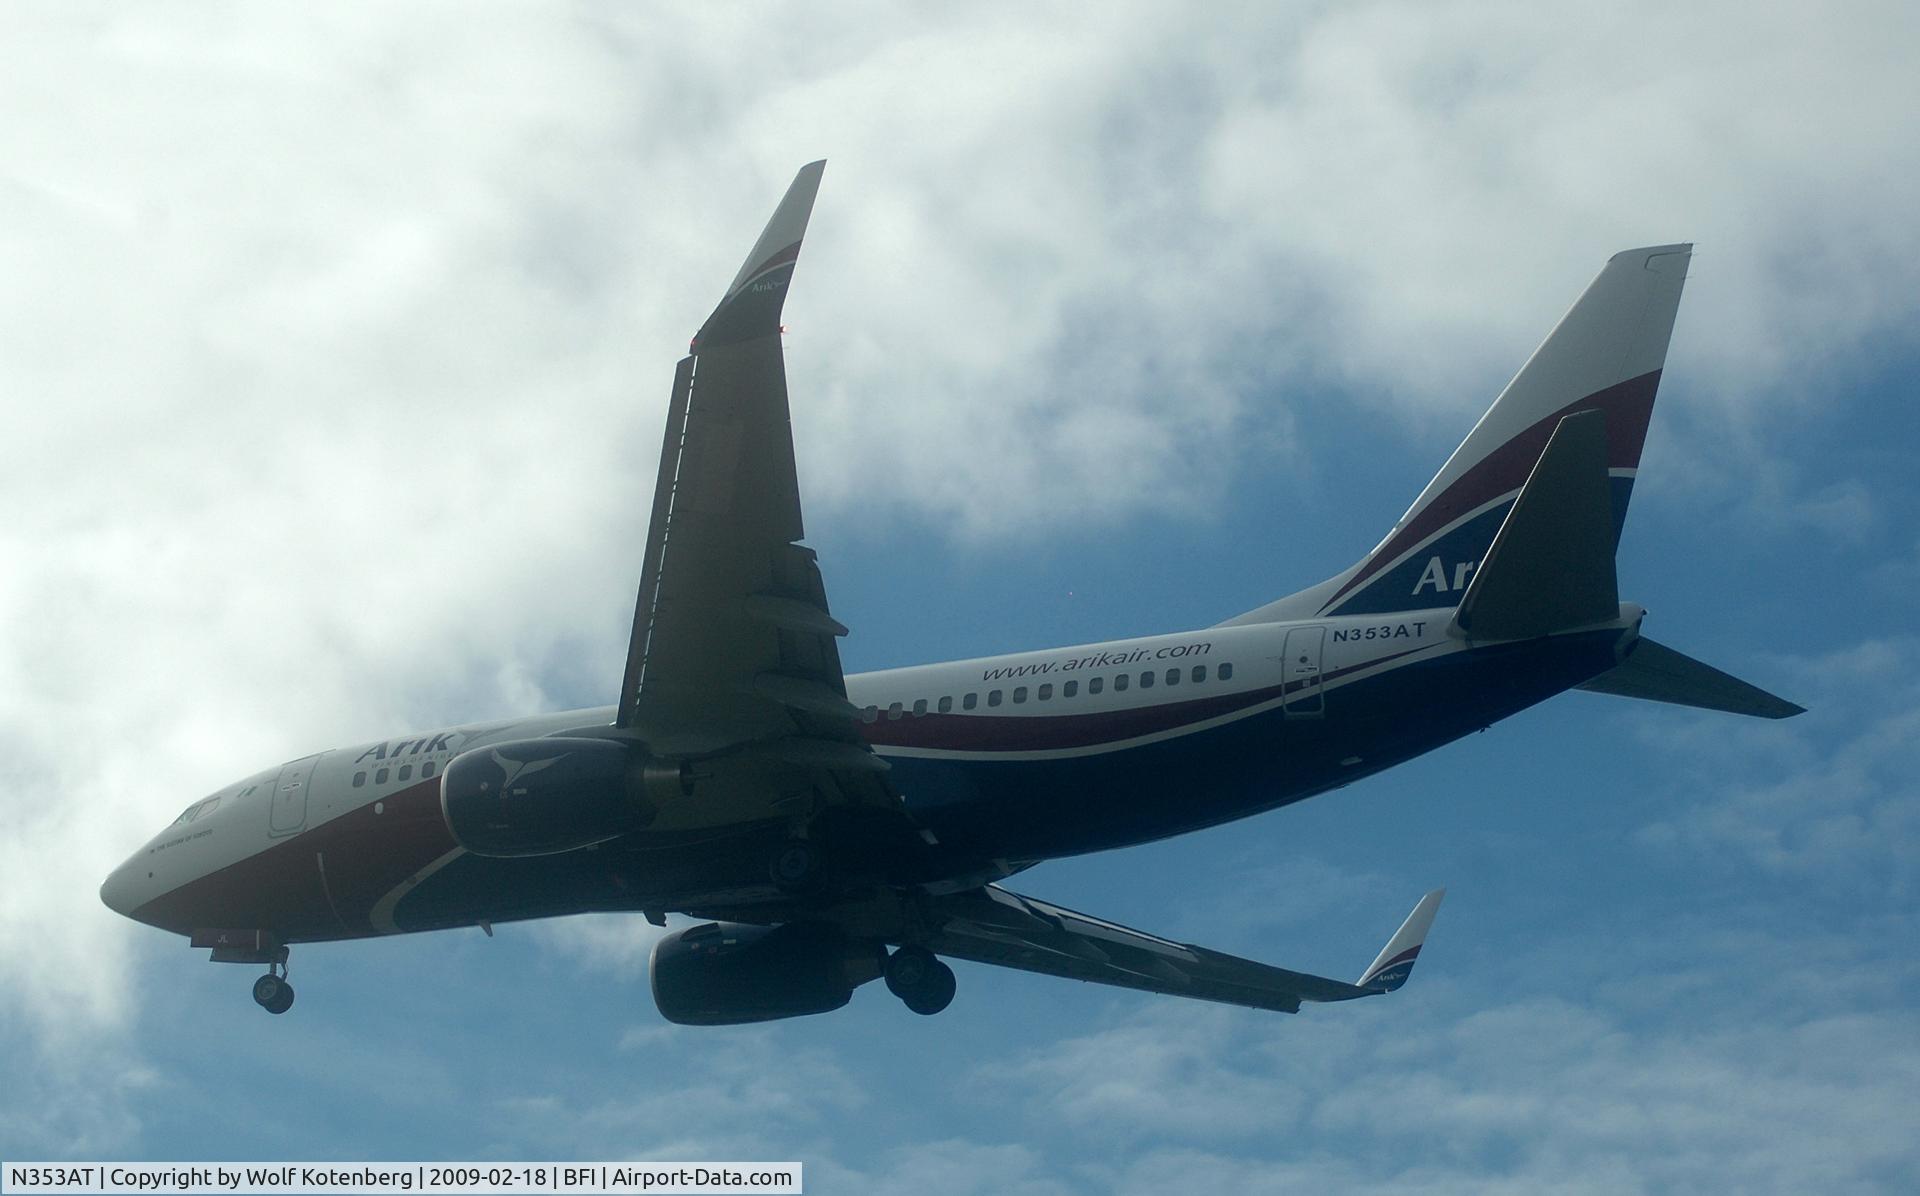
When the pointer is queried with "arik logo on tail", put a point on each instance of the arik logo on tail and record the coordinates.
(1435, 575)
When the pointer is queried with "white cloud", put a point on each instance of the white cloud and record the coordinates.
(1523, 1096)
(617, 944)
(738, 1093)
(71, 1101)
(1828, 797)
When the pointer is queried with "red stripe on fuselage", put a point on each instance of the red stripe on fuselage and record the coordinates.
(280, 887)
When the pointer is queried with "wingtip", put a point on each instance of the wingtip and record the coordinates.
(780, 241)
(767, 268)
(1391, 967)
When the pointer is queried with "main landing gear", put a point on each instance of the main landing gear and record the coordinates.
(272, 992)
(920, 980)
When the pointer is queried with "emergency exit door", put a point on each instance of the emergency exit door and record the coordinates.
(1301, 655)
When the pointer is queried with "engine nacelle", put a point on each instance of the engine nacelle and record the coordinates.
(725, 973)
(541, 796)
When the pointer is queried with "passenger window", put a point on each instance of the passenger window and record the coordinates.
(1019, 693)
(426, 770)
(1069, 689)
(1199, 672)
(1096, 684)
(970, 701)
(1046, 691)
(380, 777)
(406, 772)
(946, 704)
(894, 710)
(1226, 672)
(870, 714)
(919, 707)
(1173, 676)
(1146, 681)
(1119, 683)
(993, 697)
(359, 779)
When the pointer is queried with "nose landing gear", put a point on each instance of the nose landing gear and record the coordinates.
(923, 983)
(271, 991)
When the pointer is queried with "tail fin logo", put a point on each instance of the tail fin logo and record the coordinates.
(1435, 575)
(1392, 974)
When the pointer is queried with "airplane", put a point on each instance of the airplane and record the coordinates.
(828, 830)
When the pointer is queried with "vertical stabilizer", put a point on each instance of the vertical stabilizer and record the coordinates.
(1605, 355)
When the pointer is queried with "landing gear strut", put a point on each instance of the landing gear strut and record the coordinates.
(272, 992)
(920, 980)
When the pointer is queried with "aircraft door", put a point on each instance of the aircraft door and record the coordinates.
(1301, 669)
(289, 812)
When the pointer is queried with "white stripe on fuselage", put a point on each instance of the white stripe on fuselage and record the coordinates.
(1377, 643)
(382, 915)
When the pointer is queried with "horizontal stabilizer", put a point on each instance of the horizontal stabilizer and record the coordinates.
(1550, 567)
(1657, 673)
(1395, 962)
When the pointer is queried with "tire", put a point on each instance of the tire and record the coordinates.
(909, 970)
(282, 1002)
(267, 989)
(937, 994)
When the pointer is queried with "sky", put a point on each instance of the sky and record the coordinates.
(334, 347)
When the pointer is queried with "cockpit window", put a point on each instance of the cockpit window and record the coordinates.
(203, 806)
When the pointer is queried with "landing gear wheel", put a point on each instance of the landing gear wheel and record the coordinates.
(940, 994)
(797, 866)
(922, 982)
(272, 993)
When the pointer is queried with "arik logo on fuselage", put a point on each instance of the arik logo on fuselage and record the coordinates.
(412, 747)
(1435, 576)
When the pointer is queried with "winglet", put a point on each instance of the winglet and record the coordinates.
(1391, 967)
(751, 307)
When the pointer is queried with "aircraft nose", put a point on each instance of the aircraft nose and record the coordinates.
(117, 891)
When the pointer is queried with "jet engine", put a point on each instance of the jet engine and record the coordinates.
(725, 973)
(541, 796)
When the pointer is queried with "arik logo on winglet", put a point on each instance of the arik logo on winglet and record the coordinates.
(1435, 575)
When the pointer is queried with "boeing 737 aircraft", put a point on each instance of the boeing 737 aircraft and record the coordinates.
(829, 830)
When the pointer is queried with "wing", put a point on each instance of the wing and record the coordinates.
(733, 647)
(996, 926)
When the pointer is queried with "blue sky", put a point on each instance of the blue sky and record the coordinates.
(335, 347)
